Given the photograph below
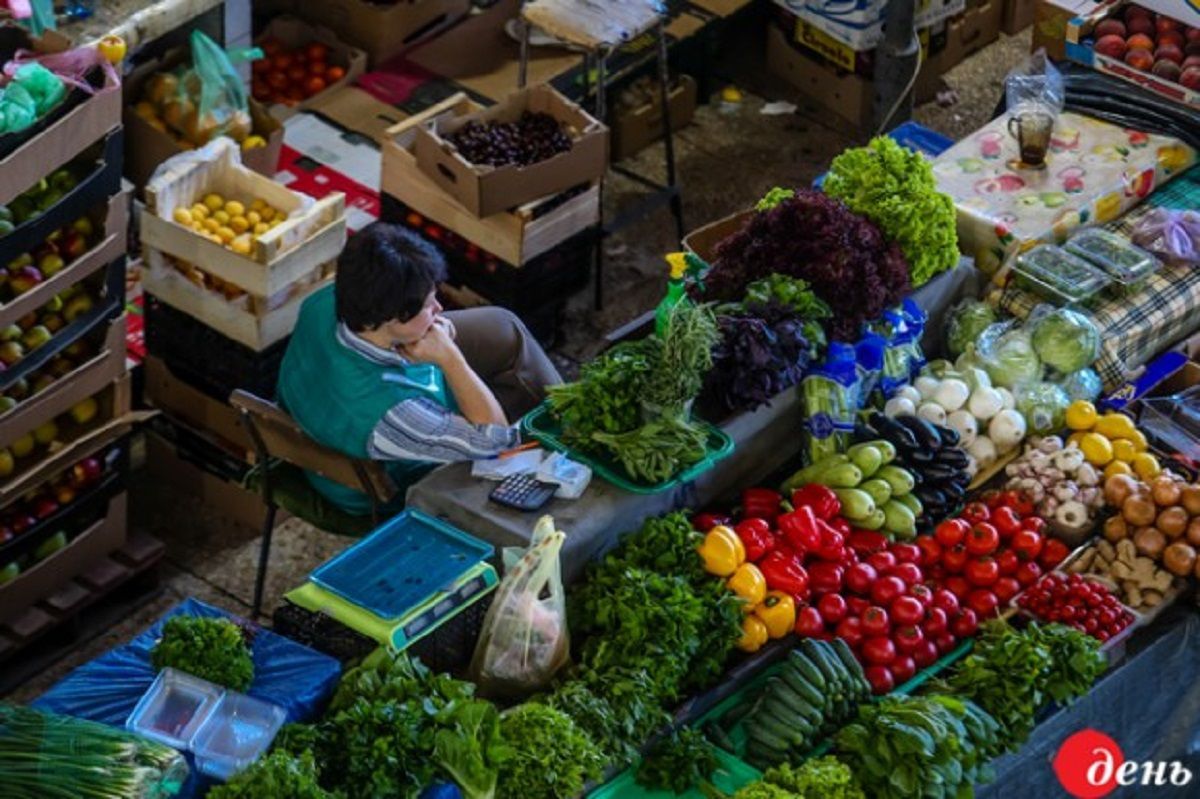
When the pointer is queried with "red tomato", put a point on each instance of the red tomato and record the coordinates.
(951, 532)
(1029, 573)
(261, 66)
(958, 586)
(910, 573)
(1027, 544)
(849, 630)
(282, 62)
(1007, 522)
(945, 642)
(886, 589)
(983, 538)
(832, 607)
(931, 550)
(908, 639)
(1006, 588)
(903, 668)
(1008, 562)
(983, 602)
(299, 58)
(946, 600)
(964, 624)
(875, 622)
(907, 610)
(825, 578)
(906, 553)
(955, 559)
(882, 562)
(976, 512)
(926, 654)
(857, 605)
(1019, 501)
(297, 74)
(982, 572)
(991, 498)
(880, 678)
(316, 51)
(860, 577)
(936, 622)
(1054, 552)
(1034, 523)
(277, 80)
(864, 542)
(809, 622)
(921, 593)
(334, 74)
(878, 650)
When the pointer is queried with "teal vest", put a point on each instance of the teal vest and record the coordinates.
(338, 397)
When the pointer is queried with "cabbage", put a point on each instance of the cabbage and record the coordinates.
(1044, 406)
(967, 320)
(1066, 340)
(1082, 385)
(1006, 354)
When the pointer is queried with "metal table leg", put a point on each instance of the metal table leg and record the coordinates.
(664, 80)
(523, 71)
(601, 91)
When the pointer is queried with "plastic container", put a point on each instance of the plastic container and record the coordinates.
(1058, 276)
(237, 731)
(1128, 265)
(1173, 423)
(174, 708)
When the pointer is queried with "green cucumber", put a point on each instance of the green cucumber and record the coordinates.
(767, 739)
(797, 684)
(842, 650)
(809, 671)
(781, 693)
(810, 650)
(803, 687)
(764, 720)
(718, 737)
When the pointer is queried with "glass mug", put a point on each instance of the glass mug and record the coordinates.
(1032, 131)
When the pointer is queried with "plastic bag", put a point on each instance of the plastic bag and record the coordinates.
(1037, 85)
(1044, 406)
(1005, 351)
(1175, 235)
(829, 399)
(524, 639)
(1084, 384)
(968, 319)
(1064, 340)
(207, 99)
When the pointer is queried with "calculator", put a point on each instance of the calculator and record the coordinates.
(523, 492)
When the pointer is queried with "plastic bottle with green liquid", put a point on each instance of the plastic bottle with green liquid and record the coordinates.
(682, 266)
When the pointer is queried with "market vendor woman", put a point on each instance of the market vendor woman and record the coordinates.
(377, 370)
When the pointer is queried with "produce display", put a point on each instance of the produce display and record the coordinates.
(25, 451)
(817, 778)
(1110, 442)
(39, 198)
(277, 774)
(35, 330)
(1152, 43)
(1128, 265)
(292, 75)
(171, 101)
(232, 223)
(677, 762)
(535, 136)
(32, 92)
(1087, 605)
(1161, 518)
(61, 249)
(211, 649)
(934, 457)
(872, 491)
(549, 757)
(1139, 582)
(1064, 487)
(1059, 276)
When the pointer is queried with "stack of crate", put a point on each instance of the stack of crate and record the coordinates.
(218, 320)
(65, 398)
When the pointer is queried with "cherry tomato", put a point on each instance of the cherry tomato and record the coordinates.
(878, 650)
(296, 74)
(921, 593)
(926, 654)
(907, 610)
(983, 602)
(1054, 552)
(951, 532)
(886, 589)
(1035, 524)
(955, 559)
(882, 562)
(945, 642)
(849, 630)
(936, 622)
(334, 74)
(875, 621)
(880, 678)
(1027, 544)
(958, 586)
(908, 639)
(277, 80)
(271, 47)
(903, 668)
(982, 572)
(931, 550)
(946, 600)
(976, 512)
(1008, 562)
(910, 573)
(1007, 522)
(833, 608)
(965, 624)
(983, 538)
(1029, 573)
(809, 622)
(906, 553)
(282, 62)
(316, 51)
(857, 605)
(1006, 588)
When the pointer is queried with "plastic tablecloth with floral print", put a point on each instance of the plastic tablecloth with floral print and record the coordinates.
(1094, 172)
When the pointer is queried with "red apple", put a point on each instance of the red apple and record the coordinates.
(6, 534)
(1112, 46)
(1109, 27)
(1190, 78)
(1168, 52)
(25, 279)
(45, 507)
(22, 522)
(75, 245)
(1140, 59)
(93, 468)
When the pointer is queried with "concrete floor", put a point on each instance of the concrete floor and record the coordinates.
(726, 162)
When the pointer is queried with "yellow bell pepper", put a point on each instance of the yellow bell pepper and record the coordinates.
(754, 634)
(749, 584)
(778, 613)
(722, 551)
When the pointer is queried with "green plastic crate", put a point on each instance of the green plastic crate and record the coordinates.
(541, 425)
(731, 775)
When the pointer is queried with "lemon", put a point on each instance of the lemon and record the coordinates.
(261, 228)
(267, 213)
(1096, 448)
(253, 217)
(1117, 467)
(241, 244)
(1123, 449)
(212, 225)
(227, 235)
(1081, 415)
(200, 211)
(1115, 425)
(1146, 465)
(1139, 441)
(239, 224)
(22, 446)
(214, 201)
(183, 216)
(1075, 437)
(258, 205)
(221, 216)
(235, 208)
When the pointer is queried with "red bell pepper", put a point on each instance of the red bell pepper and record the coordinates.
(821, 499)
(802, 529)
(867, 542)
(756, 537)
(707, 521)
(760, 503)
(832, 544)
(785, 572)
(841, 525)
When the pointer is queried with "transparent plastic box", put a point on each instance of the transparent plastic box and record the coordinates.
(1128, 265)
(173, 709)
(237, 731)
(1059, 276)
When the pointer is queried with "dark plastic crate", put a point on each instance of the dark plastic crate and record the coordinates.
(206, 359)
(322, 633)
(450, 647)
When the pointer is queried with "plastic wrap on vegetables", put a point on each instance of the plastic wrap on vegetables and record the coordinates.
(916, 318)
(1065, 340)
(1044, 406)
(828, 394)
(896, 354)
(1006, 352)
(869, 353)
(968, 319)
(1083, 384)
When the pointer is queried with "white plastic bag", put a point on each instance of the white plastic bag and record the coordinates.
(524, 639)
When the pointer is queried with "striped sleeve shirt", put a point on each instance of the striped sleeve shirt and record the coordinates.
(420, 429)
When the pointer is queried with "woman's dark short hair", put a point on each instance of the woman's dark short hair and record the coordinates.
(385, 273)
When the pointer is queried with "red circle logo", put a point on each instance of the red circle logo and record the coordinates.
(1087, 764)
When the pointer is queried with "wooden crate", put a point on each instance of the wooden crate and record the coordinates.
(515, 236)
(310, 237)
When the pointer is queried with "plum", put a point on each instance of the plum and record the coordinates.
(1142, 25)
(1167, 70)
(1112, 46)
(1190, 78)
(1168, 52)
(1110, 27)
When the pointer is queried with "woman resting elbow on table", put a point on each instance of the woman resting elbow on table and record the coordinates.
(376, 370)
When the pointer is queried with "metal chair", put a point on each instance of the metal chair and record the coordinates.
(277, 438)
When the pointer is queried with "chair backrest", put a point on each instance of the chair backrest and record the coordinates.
(279, 435)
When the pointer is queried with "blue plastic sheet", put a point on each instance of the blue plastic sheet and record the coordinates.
(106, 689)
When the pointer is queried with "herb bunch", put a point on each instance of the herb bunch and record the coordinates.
(212, 649)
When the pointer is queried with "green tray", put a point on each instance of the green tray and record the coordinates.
(540, 424)
(731, 775)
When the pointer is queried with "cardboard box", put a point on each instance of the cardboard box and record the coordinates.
(1050, 18)
(1018, 15)
(703, 241)
(293, 33)
(384, 30)
(88, 121)
(970, 32)
(516, 236)
(1079, 49)
(860, 26)
(178, 398)
(47, 576)
(358, 111)
(146, 147)
(1185, 11)
(843, 94)
(485, 190)
(320, 158)
(636, 128)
